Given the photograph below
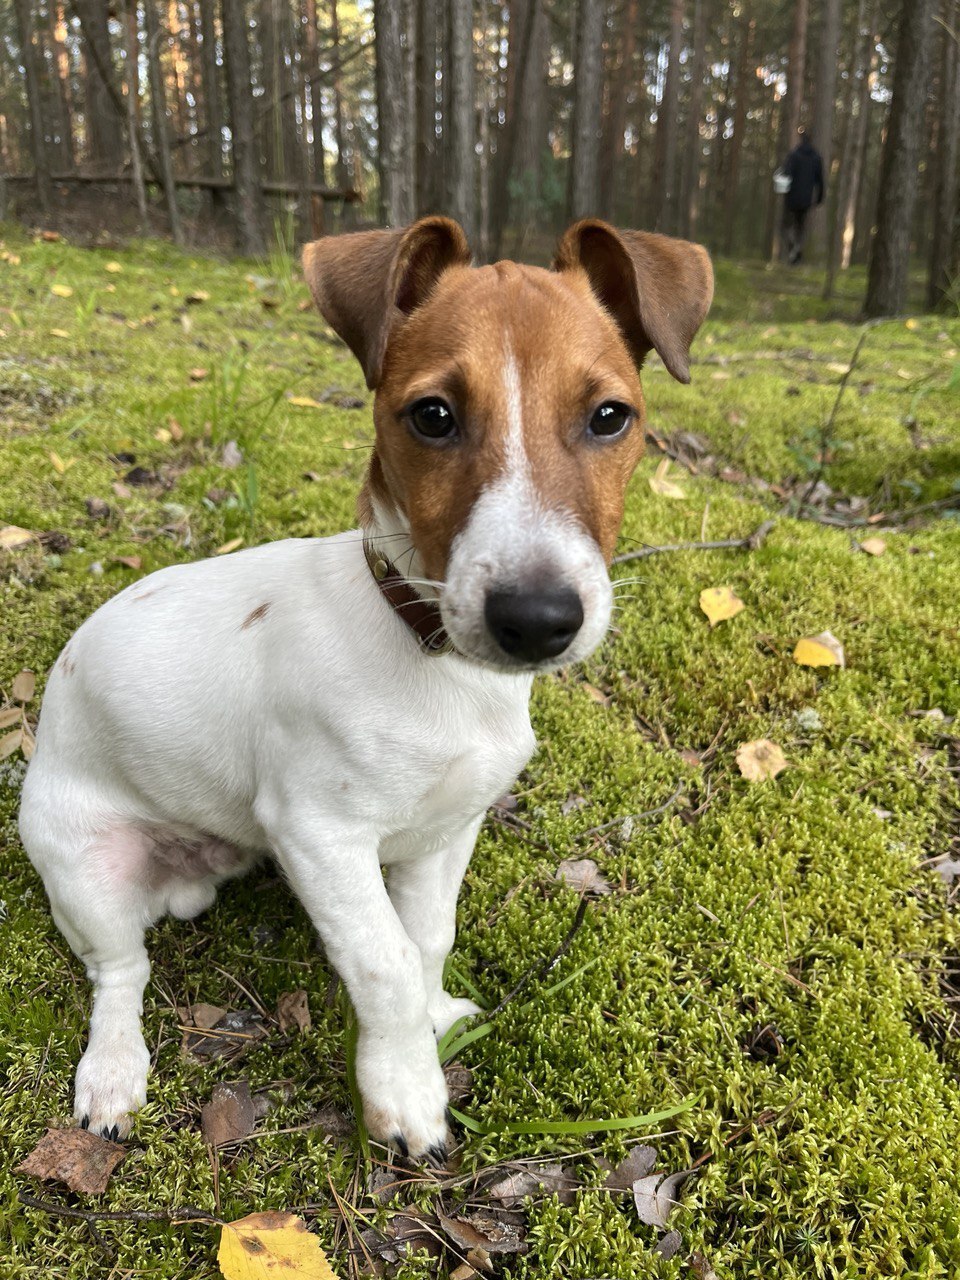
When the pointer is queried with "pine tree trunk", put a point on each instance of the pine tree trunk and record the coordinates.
(518, 169)
(461, 157)
(270, 132)
(38, 142)
(312, 61)
(61, 70)
(690, 194)
(103, 110)
(824, 112)
(790, 117)
(889, 260)
(246, 162)
(159, 104)
(946, 197)
(393, 123)
(848, 172)
(741, 94)
(426, 144)
(339, 132)
(213, 111)
(666, 181)
(131, 62)
(587, 121)
(616, 118)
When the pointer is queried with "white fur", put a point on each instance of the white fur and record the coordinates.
(177, 744)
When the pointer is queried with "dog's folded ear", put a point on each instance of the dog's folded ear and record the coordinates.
(657, 289)
(366, 282)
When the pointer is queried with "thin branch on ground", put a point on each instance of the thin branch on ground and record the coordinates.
(633, 817)
(543, 967)
(182, 1213)
(749, 543)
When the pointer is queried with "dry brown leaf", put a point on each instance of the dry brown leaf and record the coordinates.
(873, 546)
(596, 695)
(121, 490)
(28, 743)
(550, 1179)
(12, 536)
(824, 650)
(691, 757)
(583, 874)
(483, 1231)
(760, 759)
(10, 742)
(231, 457)
(659, 483)
(636, 1164)
(130, 562)
(293, 1011)
(720, 603)
(24, 686)
(175, 429)
(227, 547)
(271, 1246)
(198, 375)
(9, 716)
(196, 297)
(51, 237)
(229, 1115)
(76, 1157)
(655, 1196)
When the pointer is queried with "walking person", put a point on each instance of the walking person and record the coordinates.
(804, 169)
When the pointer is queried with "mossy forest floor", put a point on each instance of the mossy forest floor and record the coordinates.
(778, 953)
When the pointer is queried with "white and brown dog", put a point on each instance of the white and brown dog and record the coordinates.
(356, 702)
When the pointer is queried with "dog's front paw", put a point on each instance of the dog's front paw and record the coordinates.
(445, 1010)
(111, 1083)
(404, 1094)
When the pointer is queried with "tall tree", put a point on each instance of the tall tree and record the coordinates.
(102, 105)
(336, 76)
(158, 102)
(690, 187)
(887, 278)
(246, 165)
(426, 110)
(615, 118)
(394, 127)
(461, 151)
(587, 122)
(946, 195)
(60, 71)
(213, 114)
(741, 102)
(851, 160)
(668, 127)
(131, 63)
(38, 142)
(824, 108)
(312, 66)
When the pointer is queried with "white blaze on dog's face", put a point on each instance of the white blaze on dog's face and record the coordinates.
(509, 415)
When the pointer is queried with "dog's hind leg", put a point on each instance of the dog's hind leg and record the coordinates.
(101, 907)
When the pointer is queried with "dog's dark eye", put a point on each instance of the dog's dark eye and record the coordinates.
(610, 419)
(432, 419)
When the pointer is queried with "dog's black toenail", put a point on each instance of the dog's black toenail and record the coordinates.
(437, 1155)
(85, 1122)
(400, 1143)
(113, 1134)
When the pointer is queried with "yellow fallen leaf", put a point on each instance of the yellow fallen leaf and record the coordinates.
(113, 267)
(720, 603)
(61, 465)
(198, 375)
(61, 291)
(227, 547)
(163, 435)
(110, 288)
(24, 686)
(835, 367)
(174, 291)
(760, 759)
(271, 1246)
(12, 536)
(873, 546)
(59, 333)
(304, 402)
(659, 483)
(824, 650)
(911, 324)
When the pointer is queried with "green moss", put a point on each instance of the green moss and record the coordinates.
(795, 901)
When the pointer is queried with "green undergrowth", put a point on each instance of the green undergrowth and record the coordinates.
(801, 902)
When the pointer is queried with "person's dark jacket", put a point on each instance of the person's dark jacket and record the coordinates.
(805, 170)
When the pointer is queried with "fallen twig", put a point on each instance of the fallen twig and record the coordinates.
(750, 543)
(634, 817)
(182, 1213)
(544, 966)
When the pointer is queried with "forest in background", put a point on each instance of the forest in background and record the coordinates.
(323, 115)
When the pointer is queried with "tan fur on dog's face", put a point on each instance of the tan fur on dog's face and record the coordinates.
(569, 358)
(524, 497)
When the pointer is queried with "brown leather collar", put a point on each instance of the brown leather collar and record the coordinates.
(421, 616)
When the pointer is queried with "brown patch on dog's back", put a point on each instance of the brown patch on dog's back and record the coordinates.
(255, 615)
(67, 664)
(144, 595)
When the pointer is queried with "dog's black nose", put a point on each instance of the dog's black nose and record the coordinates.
(533, 625)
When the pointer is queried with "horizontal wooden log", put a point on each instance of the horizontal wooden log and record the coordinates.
(269, 186)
